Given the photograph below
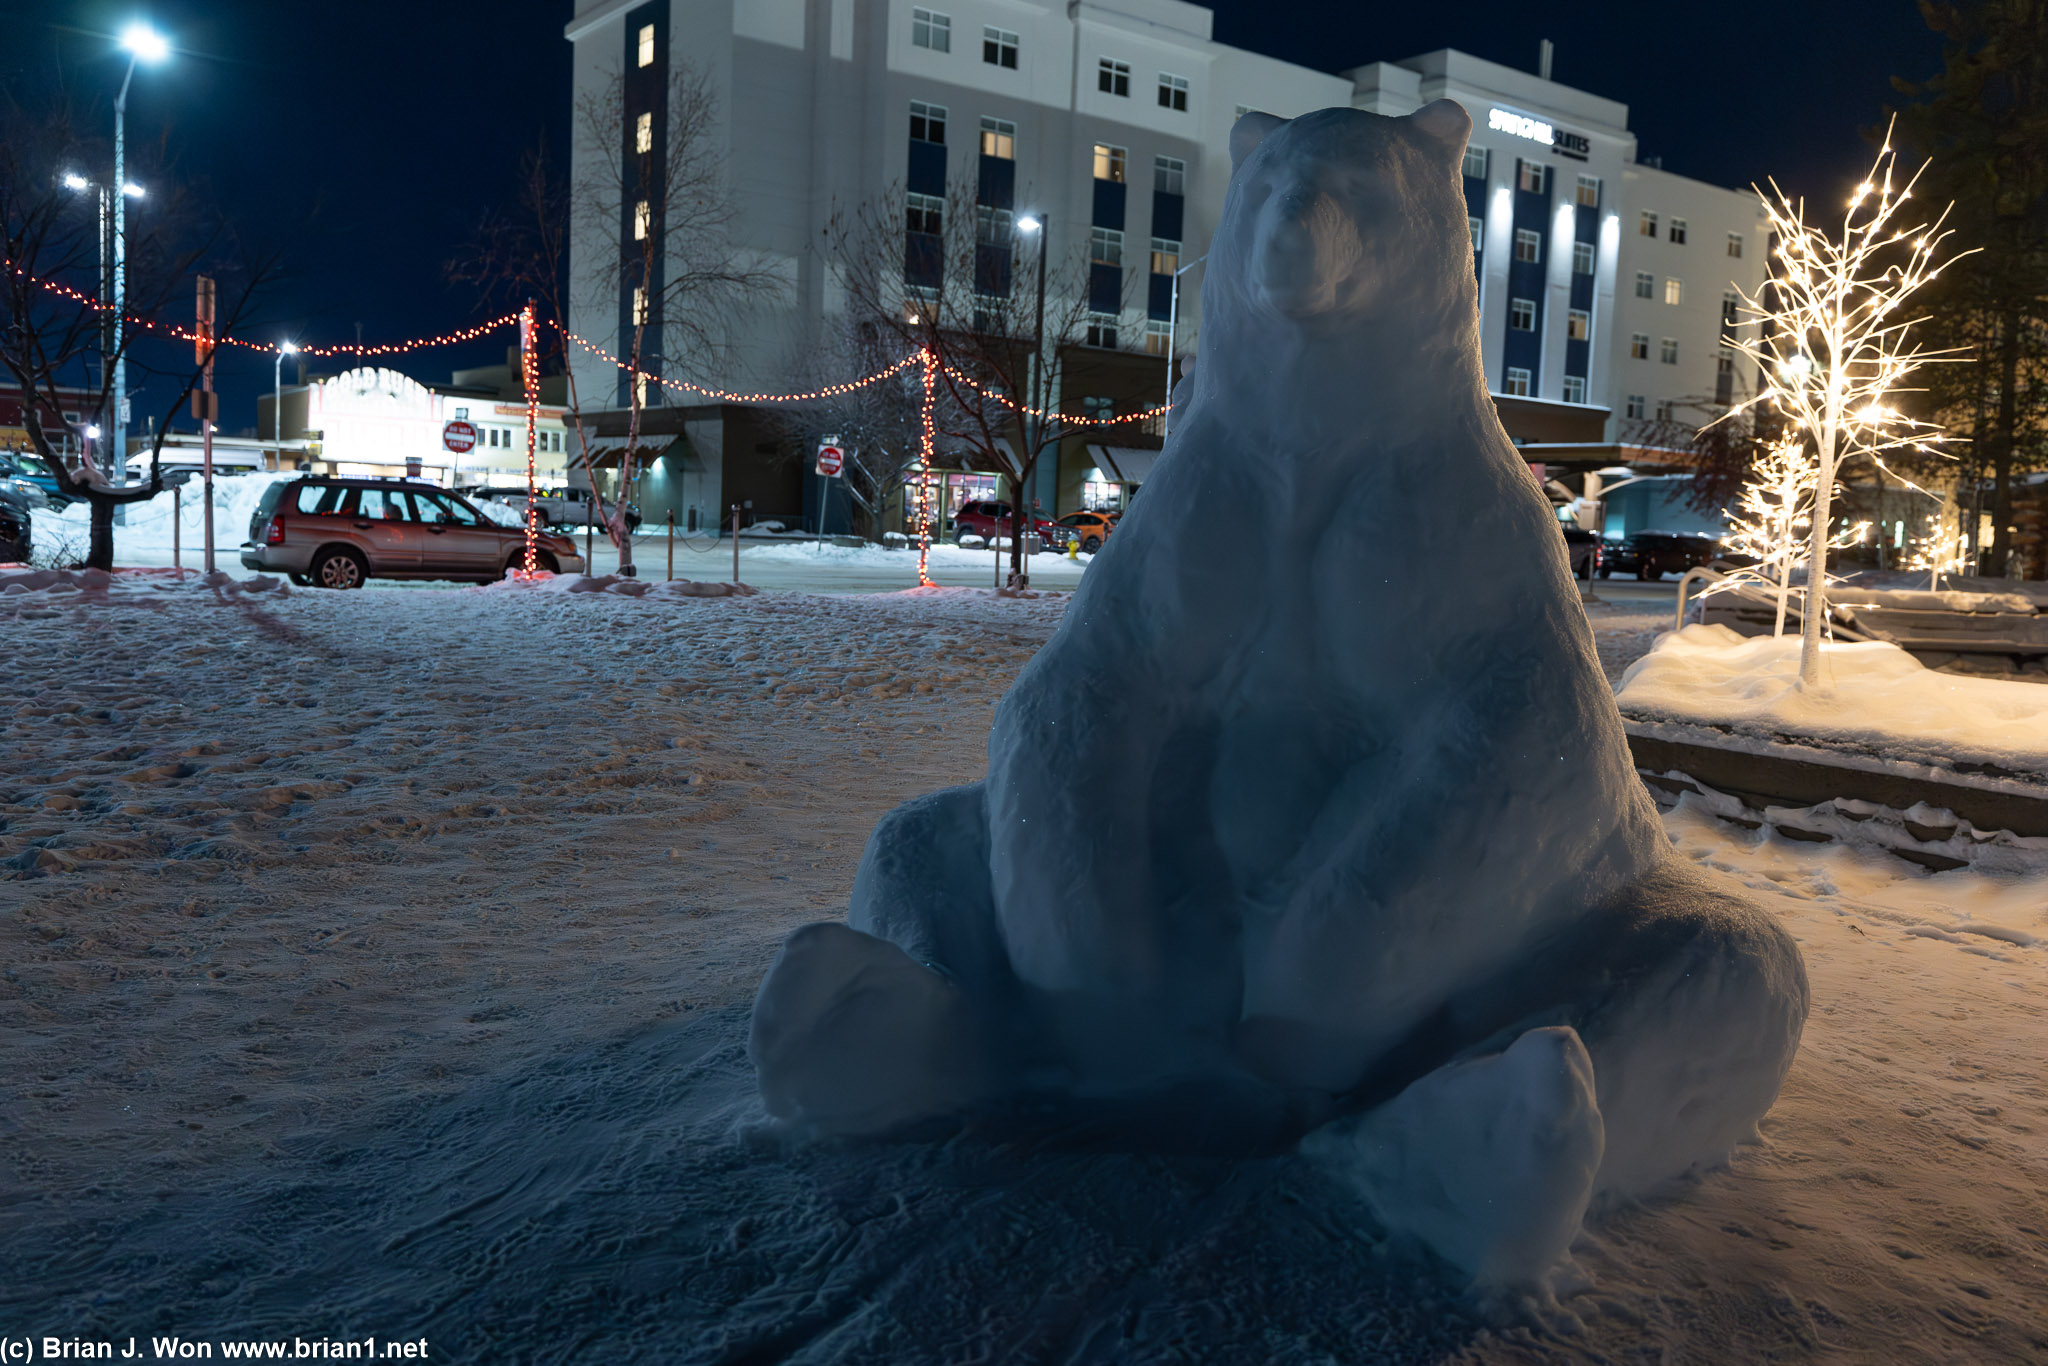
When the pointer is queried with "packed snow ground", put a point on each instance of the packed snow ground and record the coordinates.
(380, 963)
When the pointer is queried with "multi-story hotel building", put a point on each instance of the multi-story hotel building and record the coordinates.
(1603, 280)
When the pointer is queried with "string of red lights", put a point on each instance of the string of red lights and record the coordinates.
(529, 374)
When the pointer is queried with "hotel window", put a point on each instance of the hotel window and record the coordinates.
(992, 226)
(1478, 226)
(1646, 285)
(1668, 351)
(643, 134)
(1724, 366)
(1535, 179)
(1097, 408)
(999, 47)
(647, 45)
(927, 122)
(1578, 325)
(1169, 175)
(1582, 258)
(1731, 308)
(1158, 336)
(1674, 290)
(1574, 389)
(1678, 230)
(1589, 191)
(1638, 346)
(930, 29)
(1165, 256)
(1109, 162)
(1113, 78)
(998, 138)
(1528, 245)
(1518, 382)
(1522, 315)
(1648, 225)
(924, 213)
(1735, 244)
(1173, 92)
(1664, 410)
(643, 219)
(1102, 330)
(1105, 247)
(639, 306)
(1635, 405)
(1475, 163)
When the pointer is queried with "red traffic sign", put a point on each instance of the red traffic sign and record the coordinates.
(831, 461)
(459, 437)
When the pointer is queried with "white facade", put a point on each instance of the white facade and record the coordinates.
(815, 101)
(370, 421)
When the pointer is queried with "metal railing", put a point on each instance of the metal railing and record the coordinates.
(1795, 599)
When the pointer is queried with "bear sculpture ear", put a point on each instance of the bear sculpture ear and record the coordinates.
(1446, 123)
(1248, 132)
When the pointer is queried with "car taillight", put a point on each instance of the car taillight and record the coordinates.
(274, 533)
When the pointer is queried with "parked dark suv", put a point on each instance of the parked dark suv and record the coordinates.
(338, 533)
(1653, 554)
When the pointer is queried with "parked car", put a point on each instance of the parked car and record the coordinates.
(990, 517)
(572, 507)
(1653, 554)
(1092, 528)
(16, 526)
(28, 476)
(338, 533)
(1584, 549)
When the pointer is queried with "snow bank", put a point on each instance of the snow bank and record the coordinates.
(99, 585)
(146, 526)
(1873, 697)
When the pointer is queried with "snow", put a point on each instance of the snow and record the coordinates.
(1874, 698)
(381, 962)
(144, 533)
(1271, 836)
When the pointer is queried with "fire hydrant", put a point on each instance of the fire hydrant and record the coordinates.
(1073, 547)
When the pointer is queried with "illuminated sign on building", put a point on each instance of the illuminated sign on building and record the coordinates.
(1568, 144)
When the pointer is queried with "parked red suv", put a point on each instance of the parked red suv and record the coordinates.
(991, 518)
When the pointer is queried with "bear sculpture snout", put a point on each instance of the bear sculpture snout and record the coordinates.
(1307, 249)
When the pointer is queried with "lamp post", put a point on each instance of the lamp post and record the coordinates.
(144, 44)
(107, 291)
(277, 399)
(1039, 225)
(1172, 325)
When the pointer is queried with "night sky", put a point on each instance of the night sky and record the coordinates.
(363, 139)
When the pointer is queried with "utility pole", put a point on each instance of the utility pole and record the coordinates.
(1172, 327)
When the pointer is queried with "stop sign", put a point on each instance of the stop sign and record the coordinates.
(831, 461)
(459, 437)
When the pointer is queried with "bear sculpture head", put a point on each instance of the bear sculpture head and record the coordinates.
(1344, 217)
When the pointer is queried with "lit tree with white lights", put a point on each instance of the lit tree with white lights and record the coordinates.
(1775, 507)
(1835, 350)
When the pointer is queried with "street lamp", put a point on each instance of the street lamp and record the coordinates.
(144, 45)
(277, 398)
(1039, 226)
(107, 288)
(1172, 324)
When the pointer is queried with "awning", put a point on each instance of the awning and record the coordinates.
(605, 455)
(1124, 464)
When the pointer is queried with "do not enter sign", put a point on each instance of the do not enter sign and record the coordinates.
(831, 461)
(459, 437)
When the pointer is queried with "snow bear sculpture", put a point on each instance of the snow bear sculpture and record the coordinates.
(1316, 817)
